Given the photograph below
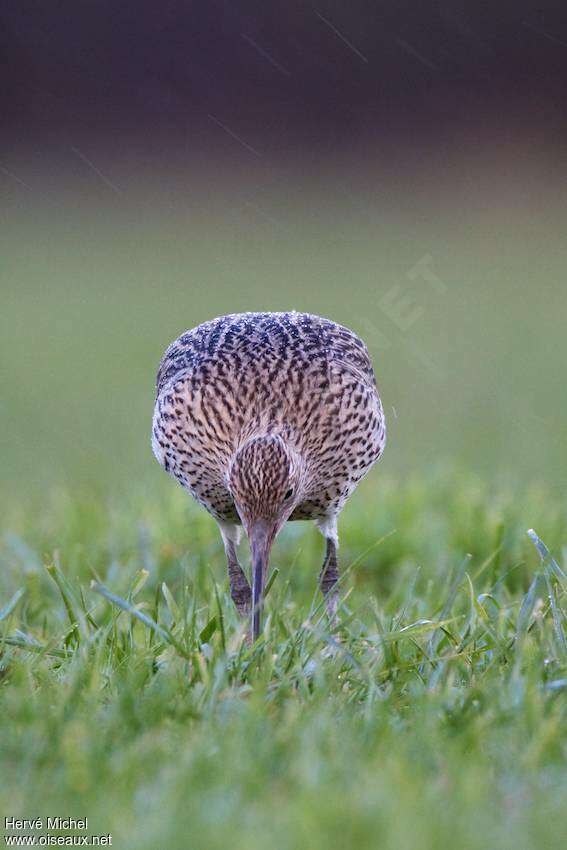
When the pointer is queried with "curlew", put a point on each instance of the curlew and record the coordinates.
(265, 418)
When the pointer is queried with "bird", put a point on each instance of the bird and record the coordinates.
(264, 418)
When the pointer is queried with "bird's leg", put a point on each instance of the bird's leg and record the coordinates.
(329, 575)
(239, 586)
(328, 578)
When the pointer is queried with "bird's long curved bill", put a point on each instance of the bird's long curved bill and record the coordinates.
(260, 546)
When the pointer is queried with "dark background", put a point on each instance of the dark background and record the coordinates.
(279, 73)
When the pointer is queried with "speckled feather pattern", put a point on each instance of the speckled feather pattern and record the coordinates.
(293, 379)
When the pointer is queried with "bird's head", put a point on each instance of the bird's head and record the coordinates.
(266, 480)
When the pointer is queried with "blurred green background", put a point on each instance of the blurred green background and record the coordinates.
(98, 277)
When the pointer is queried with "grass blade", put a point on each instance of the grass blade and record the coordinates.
(130, 609)
(121, 603)
(171, 603)
(9, 607)
(71, 603)
(545, 555)
(551, 569)
(208, 630)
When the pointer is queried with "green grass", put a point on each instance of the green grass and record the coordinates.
(434, 716)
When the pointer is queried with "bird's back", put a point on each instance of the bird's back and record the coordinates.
(299, 375)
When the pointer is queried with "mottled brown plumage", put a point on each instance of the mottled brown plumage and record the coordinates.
(264, 418)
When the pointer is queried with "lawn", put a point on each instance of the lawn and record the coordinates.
(433, 716)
